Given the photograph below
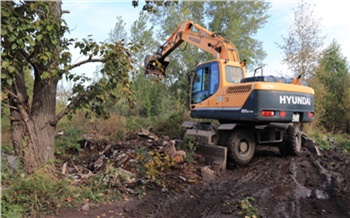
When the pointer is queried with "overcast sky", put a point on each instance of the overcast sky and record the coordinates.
(98, 18)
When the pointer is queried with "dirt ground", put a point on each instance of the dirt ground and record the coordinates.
(303, 186)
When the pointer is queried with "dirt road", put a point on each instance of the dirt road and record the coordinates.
(303, 186)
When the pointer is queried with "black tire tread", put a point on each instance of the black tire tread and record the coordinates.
(238, 135)
(290, 141)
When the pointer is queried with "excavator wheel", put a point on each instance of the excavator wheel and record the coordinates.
(241, 146)
(291, 144)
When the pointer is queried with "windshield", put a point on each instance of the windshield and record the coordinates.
(233, 74)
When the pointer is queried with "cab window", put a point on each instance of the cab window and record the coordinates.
(233, 74)
(205, 82)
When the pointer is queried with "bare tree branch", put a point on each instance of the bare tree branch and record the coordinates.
(90, 60)
(69, 108)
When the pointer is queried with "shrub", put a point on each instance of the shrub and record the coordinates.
(171, 126)
(33, 195)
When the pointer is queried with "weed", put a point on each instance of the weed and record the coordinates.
(152, 164)
(34, 195)
(247, 208)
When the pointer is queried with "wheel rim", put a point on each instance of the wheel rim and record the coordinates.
(243, 148)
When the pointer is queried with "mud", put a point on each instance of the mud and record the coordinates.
(303, 186)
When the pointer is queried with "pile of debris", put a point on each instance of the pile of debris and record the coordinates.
(142, 157)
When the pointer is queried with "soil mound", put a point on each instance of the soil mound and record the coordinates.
(304, 186)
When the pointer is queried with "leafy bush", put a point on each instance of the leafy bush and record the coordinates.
(152, 164)
(33, 195)
(171, 126)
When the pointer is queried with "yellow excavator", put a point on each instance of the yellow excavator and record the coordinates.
(251, 111)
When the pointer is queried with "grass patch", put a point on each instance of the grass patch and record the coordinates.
(39, 194)
(46, 191)
(332, 141)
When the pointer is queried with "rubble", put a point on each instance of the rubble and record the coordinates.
(120, 162)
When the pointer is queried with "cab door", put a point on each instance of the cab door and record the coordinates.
(205, 85)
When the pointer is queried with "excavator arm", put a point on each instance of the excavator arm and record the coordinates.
(219, 46)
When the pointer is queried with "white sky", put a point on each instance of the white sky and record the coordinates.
(98, 18)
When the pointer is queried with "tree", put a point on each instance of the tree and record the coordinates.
(333, 75)
(240, 21)
(302, 46)
(119, 33)
(33, 42)
(142, 34)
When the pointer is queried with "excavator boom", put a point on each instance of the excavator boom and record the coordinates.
(219, 46)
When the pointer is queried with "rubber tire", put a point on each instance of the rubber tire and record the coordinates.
(292, 141)
(237, 137)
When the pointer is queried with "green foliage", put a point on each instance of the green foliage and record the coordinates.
(5, 130)
(333, 75)
(189, 145)
(343, 142)
(321, 141)
(38, 45)
(119, 32)
(141, 34)
(45, 192)
(33, 195)
(240, 21)
(68, 141)
(151, 97)
(248, 209)
(171, 126)
(152, 164)
(339, 142)
(26, 27)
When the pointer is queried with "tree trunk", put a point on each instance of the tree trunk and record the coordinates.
(32, 133)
